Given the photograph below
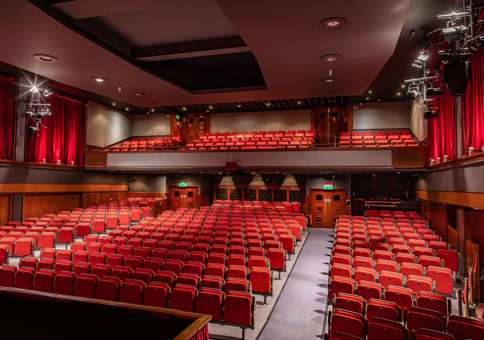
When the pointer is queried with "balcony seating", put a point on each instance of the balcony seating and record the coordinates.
(262, 140)
(144, 144)
(377, 139)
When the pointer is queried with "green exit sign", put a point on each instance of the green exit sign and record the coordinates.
(328, 186)
(182, 184)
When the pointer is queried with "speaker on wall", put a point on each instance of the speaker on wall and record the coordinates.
(456, 77)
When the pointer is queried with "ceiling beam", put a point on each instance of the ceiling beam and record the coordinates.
(211, 46)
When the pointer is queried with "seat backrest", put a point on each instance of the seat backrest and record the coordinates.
(380, 328)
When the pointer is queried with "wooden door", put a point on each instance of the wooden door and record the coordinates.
(326, 207)
(182, 197)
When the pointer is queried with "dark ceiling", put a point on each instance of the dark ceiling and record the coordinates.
(198, 48)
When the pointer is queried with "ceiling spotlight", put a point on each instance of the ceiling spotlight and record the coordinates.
(152, 109)
(47, 92)
(417, 64)
(299, 102)
(113, 104)
(99, 80)
(34, 89)
(184, 108)
(46, 58)
(210, 107)
(127, 109)
(333, 22)
(120, 89)
(402, 86)
(367, 99)
(239, 106)
(398, 94)
(268, 104)
(423, 56)
(330, 58)
(370, 91)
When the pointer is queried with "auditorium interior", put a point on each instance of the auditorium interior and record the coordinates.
(227, 169)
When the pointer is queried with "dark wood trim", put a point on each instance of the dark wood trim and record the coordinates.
(61, 188)
(474, 200)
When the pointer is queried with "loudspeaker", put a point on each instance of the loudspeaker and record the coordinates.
(456, 77)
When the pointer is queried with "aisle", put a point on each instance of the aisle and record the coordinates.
(299, 312)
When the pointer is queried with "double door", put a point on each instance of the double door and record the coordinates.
(326, 207)
(182, 197)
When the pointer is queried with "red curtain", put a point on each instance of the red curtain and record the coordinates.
(473, 106)
(7, 118)
(61, 137)
(442, 130)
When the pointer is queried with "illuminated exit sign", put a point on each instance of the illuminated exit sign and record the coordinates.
(328, 186)
(182, 184)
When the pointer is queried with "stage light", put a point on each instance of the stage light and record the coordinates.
(423, 56)
(34, 89)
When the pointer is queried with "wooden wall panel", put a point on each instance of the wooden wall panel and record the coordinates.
(437, 216)
(4, 208)
(474, 200)
(474, 221)
(94, 198)
(409, 158)
(96, 159)
(36, 205)
(57, 188)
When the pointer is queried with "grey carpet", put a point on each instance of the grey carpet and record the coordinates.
(300, 310)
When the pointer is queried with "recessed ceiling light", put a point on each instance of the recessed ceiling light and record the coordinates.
(127, 109)
(367, 99)
(398, 94)
(152, 110)
(333, 22)
(298, 102)
(370, 91)
(138, 94)
(330, 58)
(46, 58)
(239, 106)
(184, 108)
(210, 107)
(402, 86)
(113, 103)
(268, 104)
(330, 80)
(99, 80)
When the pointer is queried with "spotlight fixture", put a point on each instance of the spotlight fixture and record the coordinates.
(239, 106)
(47, 92)
(398, 94)
(99, 80)
(333, 22)
(268, 104)
(34, 89)
(418, 64)
(120, 89)
(423, 56)
(330, 58)
(367, 99)
(113, 104)
(184, 108)
(127, 109)
(402, 86)
(299, 102)
(370, 91)
(152, 109)
(46, 58)
(210, 107)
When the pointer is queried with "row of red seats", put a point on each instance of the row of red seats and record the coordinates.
(232, 307)
(146, 144)
(254, 141)
(377, 139)
(421, 324)
(168, 271)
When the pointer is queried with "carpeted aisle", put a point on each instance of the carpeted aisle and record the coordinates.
(300, 310)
